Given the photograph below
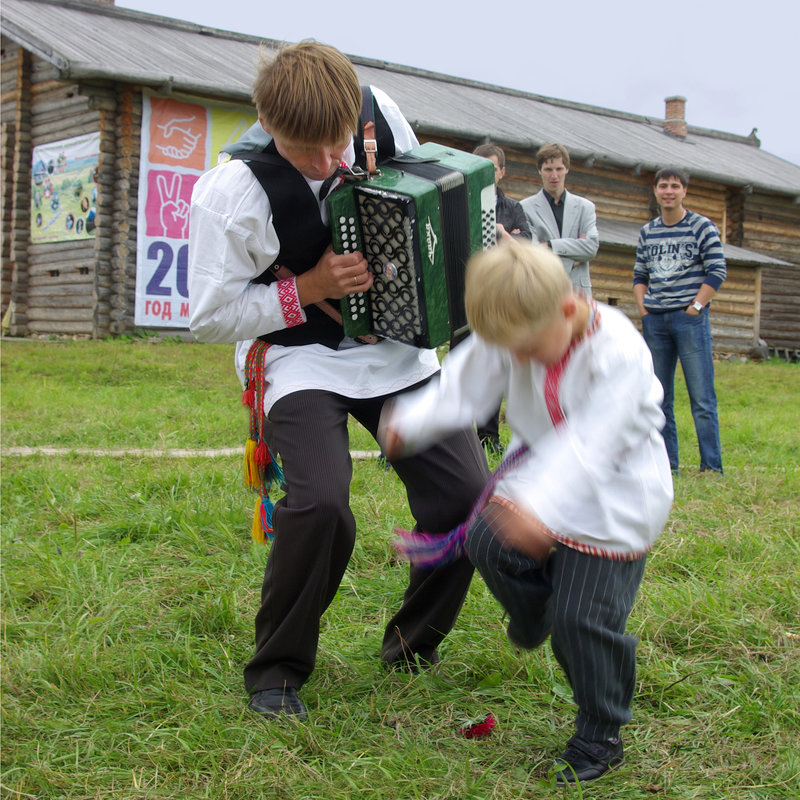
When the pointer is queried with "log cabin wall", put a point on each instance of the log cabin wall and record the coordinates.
(771, 224)
(9, 103)
(120, 117)
(15, 166)
(85, 287)
(612, 280)
(780, 313)
(130, 144)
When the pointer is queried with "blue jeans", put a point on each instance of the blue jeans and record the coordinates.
(677, 335)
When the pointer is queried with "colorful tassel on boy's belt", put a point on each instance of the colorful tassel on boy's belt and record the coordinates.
(261, 470)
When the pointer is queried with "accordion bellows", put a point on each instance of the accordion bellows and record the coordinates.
(417, 223)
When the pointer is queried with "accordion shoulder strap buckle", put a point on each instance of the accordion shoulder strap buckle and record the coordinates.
(370, 147)
(368, 129)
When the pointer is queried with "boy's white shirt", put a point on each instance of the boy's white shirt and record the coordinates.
(601, 482)
(233, 241)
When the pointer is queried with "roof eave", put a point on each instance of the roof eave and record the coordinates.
(32, 44)
(166, 84)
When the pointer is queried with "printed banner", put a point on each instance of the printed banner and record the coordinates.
(63, 189)
(180, 140)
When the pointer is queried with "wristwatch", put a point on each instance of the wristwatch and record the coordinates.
(697, 306)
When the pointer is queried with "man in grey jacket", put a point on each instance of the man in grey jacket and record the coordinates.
(563, 221)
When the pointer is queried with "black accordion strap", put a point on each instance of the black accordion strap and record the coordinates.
(384, 138)
(262, 156)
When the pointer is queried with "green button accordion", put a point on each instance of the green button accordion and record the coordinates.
(417, 222)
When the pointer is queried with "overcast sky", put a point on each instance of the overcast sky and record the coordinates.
(736, 64)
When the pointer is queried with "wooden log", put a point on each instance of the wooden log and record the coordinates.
(67, 263)
(70, 278)
(45, 78)
(71, 246)
(42, 305)
(777, 207)
(43, 288)
(55, 132)
(106, 103)
(62, 327)
(63, 315)
(78, 124)
(770, 227)
(785, 325)
(59, 107)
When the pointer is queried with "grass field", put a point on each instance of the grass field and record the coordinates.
(129, 585)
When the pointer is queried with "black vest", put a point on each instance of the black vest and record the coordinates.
(301, 232)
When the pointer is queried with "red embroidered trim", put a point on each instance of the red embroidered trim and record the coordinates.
(554, 373)
(600, 552)
(552, 382)
(587, 549)
(290, 304)
(506, 503)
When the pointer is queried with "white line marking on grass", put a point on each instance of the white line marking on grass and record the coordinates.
(221, 452)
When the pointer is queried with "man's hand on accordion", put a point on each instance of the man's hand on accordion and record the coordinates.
(334, 276)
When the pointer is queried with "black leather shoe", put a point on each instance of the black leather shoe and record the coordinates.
(584, 760)
(272, 703)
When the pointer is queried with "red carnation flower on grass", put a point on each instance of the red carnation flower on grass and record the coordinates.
(478, 729)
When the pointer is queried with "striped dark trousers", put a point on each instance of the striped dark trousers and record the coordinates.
(583, 602)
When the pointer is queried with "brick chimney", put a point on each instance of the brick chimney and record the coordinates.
(675, 116)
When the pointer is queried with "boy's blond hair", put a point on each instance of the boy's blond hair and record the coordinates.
(308, 93)
(514, 287)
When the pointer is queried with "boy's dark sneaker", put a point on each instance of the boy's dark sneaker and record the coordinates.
(584, 760)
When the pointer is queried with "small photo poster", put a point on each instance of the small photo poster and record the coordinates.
(64, 189)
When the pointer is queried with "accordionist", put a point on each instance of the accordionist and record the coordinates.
(247, 216)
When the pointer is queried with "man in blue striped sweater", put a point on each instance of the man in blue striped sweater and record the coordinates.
(679, 267)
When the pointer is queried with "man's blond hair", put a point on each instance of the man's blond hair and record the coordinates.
(308, 93)
(514, 287)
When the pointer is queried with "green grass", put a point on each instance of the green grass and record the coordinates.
(129, 587)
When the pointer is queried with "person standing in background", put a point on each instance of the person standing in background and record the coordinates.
(564, 222)
(511, 224)
(680, 266)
